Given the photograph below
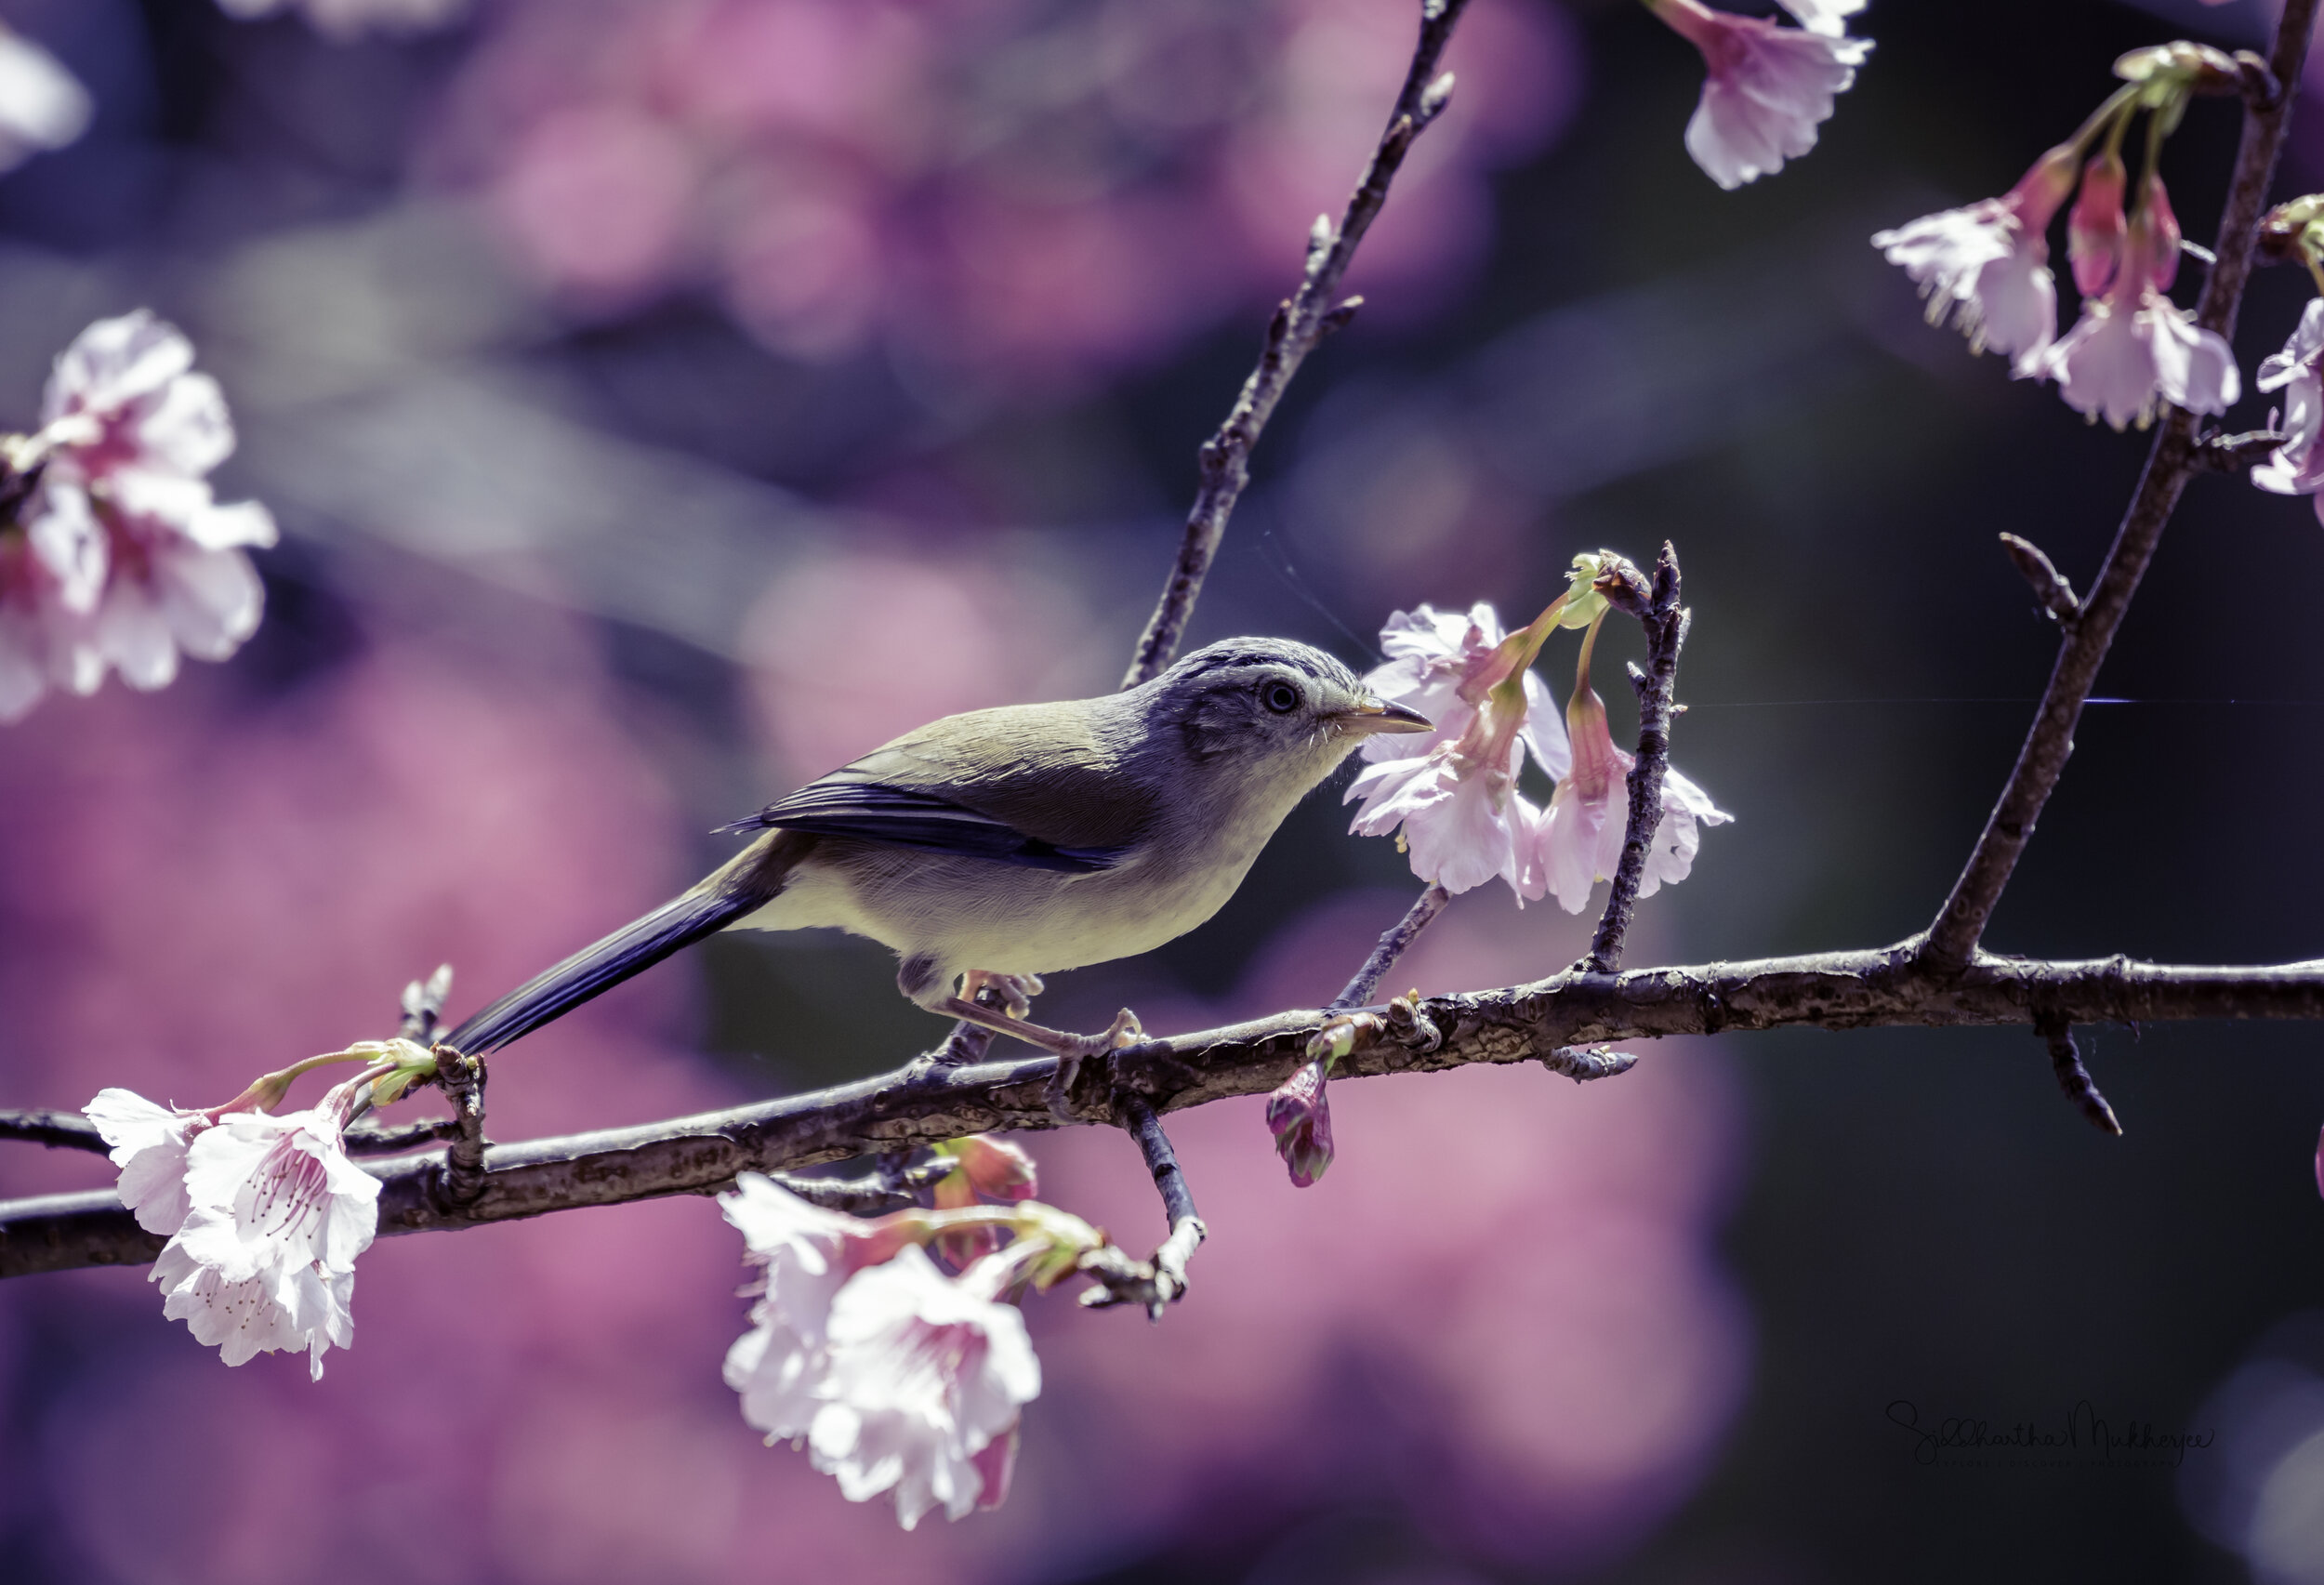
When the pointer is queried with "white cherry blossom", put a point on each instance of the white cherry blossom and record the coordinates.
(923, 1385)
(125, 560)
(807, 1253)
(1986, 266)
(2133, 349)
(2297, 466)
(265, 1258)
(1580, 842)
(1453, 790)
(1768, 87)
(148, 1143)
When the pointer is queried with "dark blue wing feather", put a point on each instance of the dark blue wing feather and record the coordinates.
(905, 817)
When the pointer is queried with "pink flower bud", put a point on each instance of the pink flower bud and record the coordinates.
(1299, 1117)
(2094, 233)
(2042, 190)
(2159, 236)
(995, 1168)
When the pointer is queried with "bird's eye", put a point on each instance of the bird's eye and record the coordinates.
(1280, 697)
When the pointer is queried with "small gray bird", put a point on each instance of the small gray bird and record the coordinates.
(991, 848)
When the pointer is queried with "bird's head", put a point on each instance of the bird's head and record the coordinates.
(1272, 709)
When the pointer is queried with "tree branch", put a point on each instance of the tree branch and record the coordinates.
(1299, 324)
(923, 1106)
(1665, 621)
(1960, 925)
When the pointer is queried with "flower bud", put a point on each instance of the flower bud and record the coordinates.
(1299, 1117)
(993, 1168)
(2094, 231)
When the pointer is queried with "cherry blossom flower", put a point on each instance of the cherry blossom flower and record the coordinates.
(352, 19)
(2297, 466)
(2135, 349)
(925, 1380)
(1453, 790)
(1580, 841)
(1986, 266)
(52, 569)
(1768, 87)
(149, 1144)
(1827, 17)
(42, 105)
(126, 559)
(265, 1258)
(807, 1252)
(1298, 1114)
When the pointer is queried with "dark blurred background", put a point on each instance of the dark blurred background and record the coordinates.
(666, 400)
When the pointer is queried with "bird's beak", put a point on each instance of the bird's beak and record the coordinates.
(1378, 714)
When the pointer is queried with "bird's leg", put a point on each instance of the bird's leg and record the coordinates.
(1012, 993)
(1125, 1030)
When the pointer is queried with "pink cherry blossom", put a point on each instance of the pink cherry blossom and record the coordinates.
(1298, 1114)
(2133, 349)
(807, 1252)
(1769, 87)
(924, 1376)
(149, 1144)
(126, 560)
(1453, 790)
(265, 1258)
(1581, 842)
(1987, 265)
(2297, 466)
(42, 105)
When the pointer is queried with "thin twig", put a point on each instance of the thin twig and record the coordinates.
(1665, 621)
(1162, 1280)
(1299, 324)
(913, 1106)
(1393, 942)
(1952, 938)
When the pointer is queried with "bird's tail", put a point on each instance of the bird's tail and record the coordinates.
(742, 887)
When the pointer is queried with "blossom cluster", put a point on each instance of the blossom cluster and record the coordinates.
(895, 1376)
(1986, 265)
(115, 554)
(1452, 794)
(265, 1216)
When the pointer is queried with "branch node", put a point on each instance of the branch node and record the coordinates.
(1339, 317)
(2049, 587)
(1433, 98)
(461, 1077)
(1581, 1065)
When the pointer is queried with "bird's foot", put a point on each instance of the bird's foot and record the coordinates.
(1125, 1030)
(1012, 993)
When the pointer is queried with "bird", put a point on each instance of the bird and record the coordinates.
(994, 847)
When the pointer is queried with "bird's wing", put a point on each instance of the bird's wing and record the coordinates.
(840, 805)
